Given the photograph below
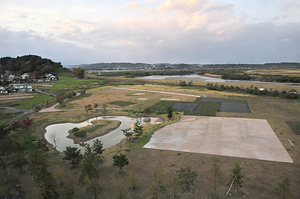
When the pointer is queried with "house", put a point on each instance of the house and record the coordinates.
(3, 90)
(25, 76)
(50, 77)
(18, 88)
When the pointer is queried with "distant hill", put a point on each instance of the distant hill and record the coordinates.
(28, 64)
(133, 66)
(163, 66)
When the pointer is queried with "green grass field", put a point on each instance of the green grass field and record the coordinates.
(29, 102)
(66, 82)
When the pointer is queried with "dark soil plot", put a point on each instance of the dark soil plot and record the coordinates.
(161, 107)
(234, 107)
(185, 106)
(200, 108)
(205, 109)
(295, 126)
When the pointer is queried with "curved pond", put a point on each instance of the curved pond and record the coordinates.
(59, 132)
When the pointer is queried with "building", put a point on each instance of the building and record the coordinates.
(20, 88)
(25, 76)
(50, 77)
(3, 90)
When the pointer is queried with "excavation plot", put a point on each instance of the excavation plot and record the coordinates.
(236, 137)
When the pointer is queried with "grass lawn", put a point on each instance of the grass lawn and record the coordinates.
(28, 103)
(66, 82)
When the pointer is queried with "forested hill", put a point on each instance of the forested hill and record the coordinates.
(28, 64)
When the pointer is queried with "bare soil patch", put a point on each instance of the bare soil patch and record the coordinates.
(234, 107)
(236, 137)
(170, 99)
(142, 99)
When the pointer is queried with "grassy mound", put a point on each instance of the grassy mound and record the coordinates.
(98, 128)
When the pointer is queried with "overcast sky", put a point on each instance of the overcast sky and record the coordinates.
(152, 31)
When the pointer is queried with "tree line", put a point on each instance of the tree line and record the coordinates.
(28, 64)
(291, 94)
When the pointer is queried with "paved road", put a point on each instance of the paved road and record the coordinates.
(152, 91)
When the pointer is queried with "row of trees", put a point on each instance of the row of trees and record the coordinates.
(292, 94)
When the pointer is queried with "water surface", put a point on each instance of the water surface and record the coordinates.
(59, 132)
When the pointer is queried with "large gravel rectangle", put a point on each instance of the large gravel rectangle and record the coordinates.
(237, 137)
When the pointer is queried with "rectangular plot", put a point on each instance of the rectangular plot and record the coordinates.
(221, 136)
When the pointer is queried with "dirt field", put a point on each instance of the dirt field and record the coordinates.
(14, 97)
(236, 137)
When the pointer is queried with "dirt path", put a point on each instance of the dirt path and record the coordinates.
(162, 92)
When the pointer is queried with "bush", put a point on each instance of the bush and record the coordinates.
(80, 134)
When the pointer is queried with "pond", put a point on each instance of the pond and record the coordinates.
(59, 132)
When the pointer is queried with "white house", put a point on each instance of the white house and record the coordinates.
(20, 88)
(50, 77)
(25, 76)
(3, 90)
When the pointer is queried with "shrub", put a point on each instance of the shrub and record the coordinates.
(80, 134)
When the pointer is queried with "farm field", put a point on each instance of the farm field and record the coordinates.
(260, 176)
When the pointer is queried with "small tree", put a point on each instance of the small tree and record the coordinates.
(127, 133)
(104, 109)
(98, 147)
(237, 175)
(79, 73)
(169, 112)
(42, 145)
(120, 191)
(73, 155)
(283, 189)
(88, 108)
(173, 186)
(89, 172)
(159, 174)
(120, 161)
(216, 171)
(186, 177)
(132, 180)
(138, 128)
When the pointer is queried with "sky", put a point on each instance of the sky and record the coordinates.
(152, 31)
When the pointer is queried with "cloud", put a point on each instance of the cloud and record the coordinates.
(133, 5)
(174, 5)
(199, 31)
